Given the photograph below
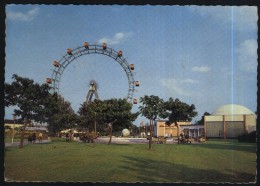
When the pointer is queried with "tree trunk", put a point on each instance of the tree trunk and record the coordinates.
(178, 135)
(22, 134)
(110, 135)
(150, 139)
(95, 126)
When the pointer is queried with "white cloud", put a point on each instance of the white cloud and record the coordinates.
(200, 69)
(189, 81)
(247, 55)
(177, 86)
(244, 17)
(118, 38)
(27, 16)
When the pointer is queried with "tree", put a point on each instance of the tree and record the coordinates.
(90, 115)
(201, 121)
(59, 113)
(29, 97)
(117, 112)
(152, 106)
(114, 113)
(179, 111)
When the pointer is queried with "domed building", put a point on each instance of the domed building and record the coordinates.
(229, 121)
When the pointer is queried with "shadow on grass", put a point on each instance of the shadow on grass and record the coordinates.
(228, 145)
(152, 171)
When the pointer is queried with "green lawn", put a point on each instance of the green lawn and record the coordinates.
(214, 161)
(16, 139)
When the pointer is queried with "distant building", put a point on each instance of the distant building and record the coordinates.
(18, 123)
(229, 121)
(161, 129)
(193, 131)
(13, 123)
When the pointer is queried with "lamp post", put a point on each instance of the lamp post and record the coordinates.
(110, 133)
(14, 119)
(141, 126)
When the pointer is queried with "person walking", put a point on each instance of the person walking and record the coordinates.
(40, 137)
(33, 137)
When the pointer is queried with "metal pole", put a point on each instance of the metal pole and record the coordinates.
(14, 118)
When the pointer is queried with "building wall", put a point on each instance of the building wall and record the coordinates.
(13, 125)
(215, 129)
(229, 126)
(234, 128)
(251, 123)
(161, 129)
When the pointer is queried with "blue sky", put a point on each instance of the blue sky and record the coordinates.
(203, 55)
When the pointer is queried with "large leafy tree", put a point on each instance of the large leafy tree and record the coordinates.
(34, 102)
(152, 106)
(115, 112)
(59, 114)
(90, 115)
(29, 97)
(179, 111)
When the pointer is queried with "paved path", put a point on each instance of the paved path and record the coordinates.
(9, 144)
(130, 140)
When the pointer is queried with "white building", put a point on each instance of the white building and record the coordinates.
(229, 121)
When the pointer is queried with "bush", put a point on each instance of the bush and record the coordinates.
(251, 137)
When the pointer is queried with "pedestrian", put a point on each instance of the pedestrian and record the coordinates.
(29, 139)
(70, 136)
(40, 137)
(33, 137)
(67, 137)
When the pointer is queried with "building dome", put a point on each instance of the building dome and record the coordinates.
(232, 109)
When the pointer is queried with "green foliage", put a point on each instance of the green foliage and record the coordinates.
(59, 114)
(201, 121)
(176, 110)
(152, 106)
(179, 111)
(28, 96)
(36, 103)
(116, 111)
(251, 137)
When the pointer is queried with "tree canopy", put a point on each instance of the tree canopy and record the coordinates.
(116, 111)
(34, 102)
(59, 114)
(201, 121)
(28, 96)
(179, 111)
(152, 106)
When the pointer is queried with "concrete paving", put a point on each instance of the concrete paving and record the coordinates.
(130, 140)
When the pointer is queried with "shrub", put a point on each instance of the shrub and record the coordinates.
(251, 137)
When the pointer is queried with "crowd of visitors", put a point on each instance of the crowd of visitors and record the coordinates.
(32, 137)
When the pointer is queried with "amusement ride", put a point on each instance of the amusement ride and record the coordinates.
(87, 49)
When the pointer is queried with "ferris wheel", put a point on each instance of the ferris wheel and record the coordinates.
(87, 49)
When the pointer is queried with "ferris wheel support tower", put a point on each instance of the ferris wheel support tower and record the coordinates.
(92, 91)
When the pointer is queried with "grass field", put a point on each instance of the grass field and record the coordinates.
(214, 161)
